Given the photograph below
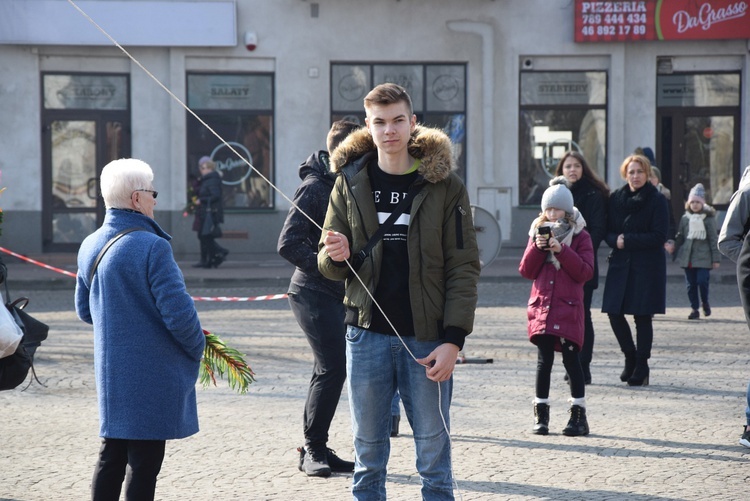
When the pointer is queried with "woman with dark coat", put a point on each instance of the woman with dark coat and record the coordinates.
(590, 196)
(637, 226)
(209, 196)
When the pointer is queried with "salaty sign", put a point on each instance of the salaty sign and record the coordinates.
(623, 21)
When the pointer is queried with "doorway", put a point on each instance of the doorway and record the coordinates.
(77, 142)
(699, 146)
(698, 136)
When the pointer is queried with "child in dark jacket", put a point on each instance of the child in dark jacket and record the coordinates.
(559, 263)
(697, 250)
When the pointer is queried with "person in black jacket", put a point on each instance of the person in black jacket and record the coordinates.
(590, 196)
(637, 274)
(317, 304)
(209, 198)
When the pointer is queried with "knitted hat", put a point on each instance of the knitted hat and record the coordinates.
(649, 153)
(558, 195)
(204, 160)
(698, 193)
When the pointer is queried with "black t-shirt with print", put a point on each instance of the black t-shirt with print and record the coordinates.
(392, 292)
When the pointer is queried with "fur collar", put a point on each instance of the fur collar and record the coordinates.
(432, 146)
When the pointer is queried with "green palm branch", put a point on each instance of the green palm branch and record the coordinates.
(218, 358)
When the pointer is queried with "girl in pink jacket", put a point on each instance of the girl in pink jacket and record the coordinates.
(559, 258)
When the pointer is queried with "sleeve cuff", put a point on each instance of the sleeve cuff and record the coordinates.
(455, 335)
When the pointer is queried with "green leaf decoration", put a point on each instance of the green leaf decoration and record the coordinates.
(218, 358)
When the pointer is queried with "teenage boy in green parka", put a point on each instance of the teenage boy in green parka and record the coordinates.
(423, 275)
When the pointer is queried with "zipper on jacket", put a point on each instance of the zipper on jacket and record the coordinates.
(460, 213)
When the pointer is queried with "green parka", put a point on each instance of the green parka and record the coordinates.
(441, 241)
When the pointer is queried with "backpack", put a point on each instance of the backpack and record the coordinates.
(15, 368)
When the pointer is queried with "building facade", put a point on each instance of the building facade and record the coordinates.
(255, 85)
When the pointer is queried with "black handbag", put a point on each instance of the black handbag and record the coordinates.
(210, 226)
(14, 368)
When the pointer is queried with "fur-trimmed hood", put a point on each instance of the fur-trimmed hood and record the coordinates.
(430, 145)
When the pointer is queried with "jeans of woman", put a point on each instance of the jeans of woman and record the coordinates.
(321, 318)
(696, 280)
(545, 360)
(138, 462)
(377, 365)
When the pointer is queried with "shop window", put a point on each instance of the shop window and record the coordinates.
(239, 108)
(438, 94)
(559, 111)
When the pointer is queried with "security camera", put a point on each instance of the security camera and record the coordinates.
(528, 63)
(251, 40)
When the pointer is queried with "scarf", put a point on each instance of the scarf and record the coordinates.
(562, 229)
(696, 228)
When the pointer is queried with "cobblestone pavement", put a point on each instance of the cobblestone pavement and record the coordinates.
(676, 439)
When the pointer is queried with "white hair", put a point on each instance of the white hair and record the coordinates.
(120, 178)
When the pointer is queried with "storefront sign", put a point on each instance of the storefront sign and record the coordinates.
(625, 21)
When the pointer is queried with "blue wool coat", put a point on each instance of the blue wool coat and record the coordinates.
(148, 341)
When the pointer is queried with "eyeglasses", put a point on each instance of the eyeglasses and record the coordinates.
(154, 193)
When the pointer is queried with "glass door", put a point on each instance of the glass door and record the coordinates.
(76, 149)
(698, 135)
(85, 125)
(707, 156)
(699, 146)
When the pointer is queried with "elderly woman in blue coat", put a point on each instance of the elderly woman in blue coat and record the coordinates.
(637, 225)
(148, 341)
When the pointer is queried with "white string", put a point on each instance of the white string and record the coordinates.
(278, 190)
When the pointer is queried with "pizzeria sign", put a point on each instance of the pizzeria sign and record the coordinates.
(626, 21)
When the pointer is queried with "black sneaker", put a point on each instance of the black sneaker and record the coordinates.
(314, 462)
(745, 438)
(694, 315)
(706, 309)
(337, 464)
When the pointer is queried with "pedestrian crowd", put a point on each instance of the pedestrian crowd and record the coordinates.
(384, 290)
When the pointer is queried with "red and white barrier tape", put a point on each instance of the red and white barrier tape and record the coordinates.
(33, 261)
(195, 298)
(239, 299)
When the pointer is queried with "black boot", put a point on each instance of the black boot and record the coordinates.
(627, 372)
(541, 419)
(219, 257)
(640, 374)
(577, 424)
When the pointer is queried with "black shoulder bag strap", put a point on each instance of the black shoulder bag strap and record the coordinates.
(106, 248)
(360, 257)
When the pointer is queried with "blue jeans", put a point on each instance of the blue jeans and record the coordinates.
(395, 405)
(697, 281)
(377, 365)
